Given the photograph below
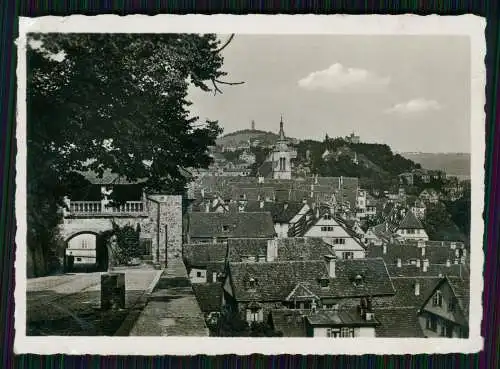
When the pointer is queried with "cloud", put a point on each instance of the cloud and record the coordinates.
(414, 106)
(338, 78)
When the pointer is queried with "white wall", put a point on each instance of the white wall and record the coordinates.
(198, 275)
(358, 332)
(335, 231)
(281, 229)
(364, 332)
(83, 248)
(419, 234)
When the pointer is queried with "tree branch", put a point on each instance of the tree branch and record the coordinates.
(229, 83)
(225, 44)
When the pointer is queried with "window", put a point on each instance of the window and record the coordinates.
(437, 299)
(225, 228)
(339, 241)
(333, 332)
(251, 283)
(410, 231)
(326, 228)
(84, 243)
(346, 332)
(323, 283)
(431, 323)
(254, 315)
(348, 255)
(340, 332)
(198, 274)
(327, 216)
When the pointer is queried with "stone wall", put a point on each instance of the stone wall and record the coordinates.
(162, 223)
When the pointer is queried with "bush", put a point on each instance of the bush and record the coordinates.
(123, 243)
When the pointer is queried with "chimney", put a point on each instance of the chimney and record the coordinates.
(207, 207)
(316, 179)
(261, 204)
(384, 249)
(261, 179)
(202, 191)
(285, 206)
(448, 263)
(425, 265)
(214, 277)
(417, 288)
(272, 249)
(418, 263)
(423, 251)
(330, 265)
(398, 262)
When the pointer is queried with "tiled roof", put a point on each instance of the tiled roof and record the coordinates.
(461, 289)
(434, 270)
(410, 221)
(200, 254)
(231, 225)
(302, 248)
(275, 280)
(434, 252)
(241, 248)
(282, 212)
(339, 318)
(405, 293)
(289, 322)
(209, 296)
(398, 322)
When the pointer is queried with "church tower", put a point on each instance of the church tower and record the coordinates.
(282, 155)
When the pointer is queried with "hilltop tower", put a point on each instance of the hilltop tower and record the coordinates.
(252, 126)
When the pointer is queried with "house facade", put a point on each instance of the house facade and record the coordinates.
(344, 242)
(445, 313)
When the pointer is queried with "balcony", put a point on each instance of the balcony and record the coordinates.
(99, 208)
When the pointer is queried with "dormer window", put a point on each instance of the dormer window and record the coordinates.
(225, 228)
(327, 217)
(252, 283)
(358, 281)
(323, 282)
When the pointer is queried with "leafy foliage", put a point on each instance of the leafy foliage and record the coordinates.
(124, 244)
(117, 102)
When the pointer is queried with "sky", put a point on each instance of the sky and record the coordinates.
(410, 92)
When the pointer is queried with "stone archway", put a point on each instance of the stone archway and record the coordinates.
(86, 251)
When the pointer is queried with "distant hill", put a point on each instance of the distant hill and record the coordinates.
(243, 136)
(452, 163)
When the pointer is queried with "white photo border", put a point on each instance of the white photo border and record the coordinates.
(466, 25)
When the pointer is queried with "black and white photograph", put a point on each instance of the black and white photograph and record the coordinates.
(264, 182)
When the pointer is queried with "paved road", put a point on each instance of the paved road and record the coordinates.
(70, 304)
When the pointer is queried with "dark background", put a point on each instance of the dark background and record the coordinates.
(11, 9)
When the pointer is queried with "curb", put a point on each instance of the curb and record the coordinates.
(137, 308)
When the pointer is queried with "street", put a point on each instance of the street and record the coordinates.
(69, 304)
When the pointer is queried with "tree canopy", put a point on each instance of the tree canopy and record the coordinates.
(114, 102)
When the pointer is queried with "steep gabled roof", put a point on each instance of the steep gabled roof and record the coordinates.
(460, 288)
(410, 221)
